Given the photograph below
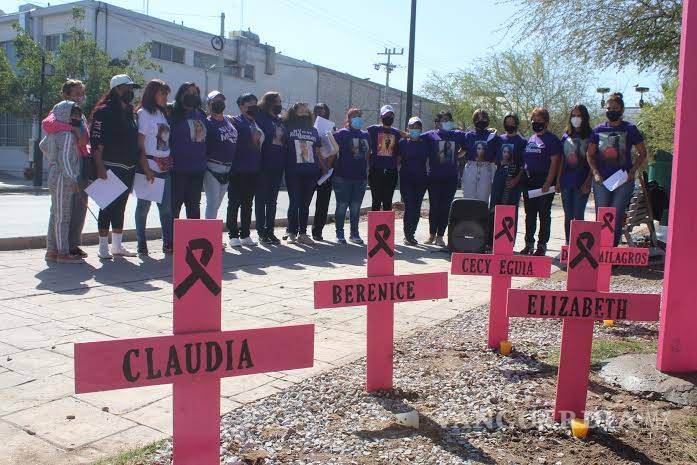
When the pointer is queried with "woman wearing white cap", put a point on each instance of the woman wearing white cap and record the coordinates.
(221, 143)
(114, 140)
(382, 177)
(414, 153)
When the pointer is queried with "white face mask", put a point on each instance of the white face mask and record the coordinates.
(576, 121)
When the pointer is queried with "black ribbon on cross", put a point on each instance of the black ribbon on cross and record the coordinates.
(507, 228)
(198, 270)
(382, 233)
(608, 221)
(584, 242)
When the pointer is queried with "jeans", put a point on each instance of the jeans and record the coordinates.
(215, 191)
(240, 197)
(165, 209)
(268, 185)
(441, 192)
(382, 185)
(619, 199)
(574, 202)
(412, 190)
(187, 191)
(324, 195)
(537, 207)
(349, 195)
(301, 188)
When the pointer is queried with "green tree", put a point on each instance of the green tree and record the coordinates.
(657, 119)
(513, 82)
(9, 85)
(605, 33)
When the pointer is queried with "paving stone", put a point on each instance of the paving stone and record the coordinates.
(126, 400)
(37, 363)
(18, 447)
(34, 393)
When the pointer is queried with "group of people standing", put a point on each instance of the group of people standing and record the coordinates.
(193, 145)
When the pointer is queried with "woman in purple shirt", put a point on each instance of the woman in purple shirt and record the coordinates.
(415, 151)
(609, 151)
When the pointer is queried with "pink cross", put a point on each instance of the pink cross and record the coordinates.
(198, 354)
(379, 291)
(501, 266)
(579, 306)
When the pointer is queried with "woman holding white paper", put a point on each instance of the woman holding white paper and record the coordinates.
(155, 160)
(324, 190)
(609, 152)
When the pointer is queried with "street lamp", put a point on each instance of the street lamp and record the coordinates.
(642, 91)
(47, 69)
(602, 91)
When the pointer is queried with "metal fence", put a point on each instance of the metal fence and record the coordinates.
(14, 131)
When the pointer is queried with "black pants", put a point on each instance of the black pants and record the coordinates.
(324, 195)
(240, 194)
(538, 207)
(382, 186)
(114, 212)
(441, 192)
(186, 190)
(413, 190)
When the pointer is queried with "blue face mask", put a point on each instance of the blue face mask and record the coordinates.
(447, 125)
(356, 122)
(414, 133)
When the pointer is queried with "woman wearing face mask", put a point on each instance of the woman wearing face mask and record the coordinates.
(350, 174)
(221, 143)
(443, 174)
(610, 150)
(541, 157)
(114, 141)
(324, 190)
(574, 181)
(414, 154)
(480, 146)
(303, 165)
(272, 162)
(245, 171)
(188, 148)
(155, 161)
(384, 142)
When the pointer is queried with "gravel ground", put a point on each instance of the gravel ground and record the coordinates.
(475, 406)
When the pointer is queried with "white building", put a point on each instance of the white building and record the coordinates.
(185, 53)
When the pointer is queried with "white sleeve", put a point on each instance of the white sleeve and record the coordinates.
(145, 122)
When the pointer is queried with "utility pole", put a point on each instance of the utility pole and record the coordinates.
(410, 65)
(389, 67)
(221, 56)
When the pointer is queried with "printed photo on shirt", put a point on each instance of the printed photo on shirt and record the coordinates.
(386, 144)
(480, 150)
(162, 137)
(613, 147)
(507, 153)
(198, 130)
(575, 153)
(279, 134)
(304, 151)
(359, 148)
(257, 137)
(446, 151)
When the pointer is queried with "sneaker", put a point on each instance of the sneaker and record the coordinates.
(235, 242)
(273, 239)
(51, 256)
(528, 250)
(431, 239)
(440, 242)
(541, 251)
(292, 238)
(305, 239)
(340, 238)
(248, 241)
(105, 254)
(285, 236)
(78, 251)
(410, 241)
(69, 258)
(123, 252)
(317, 237)
(356, 240)
(143, 250)
(265, 240)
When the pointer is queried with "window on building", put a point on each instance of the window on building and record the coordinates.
(167, 52)
(51, 42)
(10, 52)
(249, 72)
(205, 61)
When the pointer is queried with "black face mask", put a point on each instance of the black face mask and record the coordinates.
(538, 127)
(510, 129)
(252, 110)
(76, 123)
(217, 107)
(305, 121)
(127, 97)
(613, 115)
(387, 120)
(191, 101)
(481, 125)
(276, 109)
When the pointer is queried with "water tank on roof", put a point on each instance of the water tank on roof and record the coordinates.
(28, 7)
(246, 34)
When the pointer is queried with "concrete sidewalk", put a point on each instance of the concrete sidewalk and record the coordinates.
(45, 309)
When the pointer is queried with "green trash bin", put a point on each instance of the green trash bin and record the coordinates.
(660, 170)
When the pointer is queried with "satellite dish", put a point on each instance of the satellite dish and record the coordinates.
(217, 43)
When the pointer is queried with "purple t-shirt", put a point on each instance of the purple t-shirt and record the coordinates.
(539, 152)
(481, 142)
(414, 155)
(188, 143)
(274, 147)
(443, 160)
(575, 167)
(221, 140)
(250, 139)
(384, 145)
(300, 154)
(615, 146)
(354, 148)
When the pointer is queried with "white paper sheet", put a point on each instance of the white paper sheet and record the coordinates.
(145, 190)
(325, 177)
(105, 191)
(538, 192)
(324, 129)
(616, 180)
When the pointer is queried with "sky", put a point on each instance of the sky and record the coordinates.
(348, 35)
